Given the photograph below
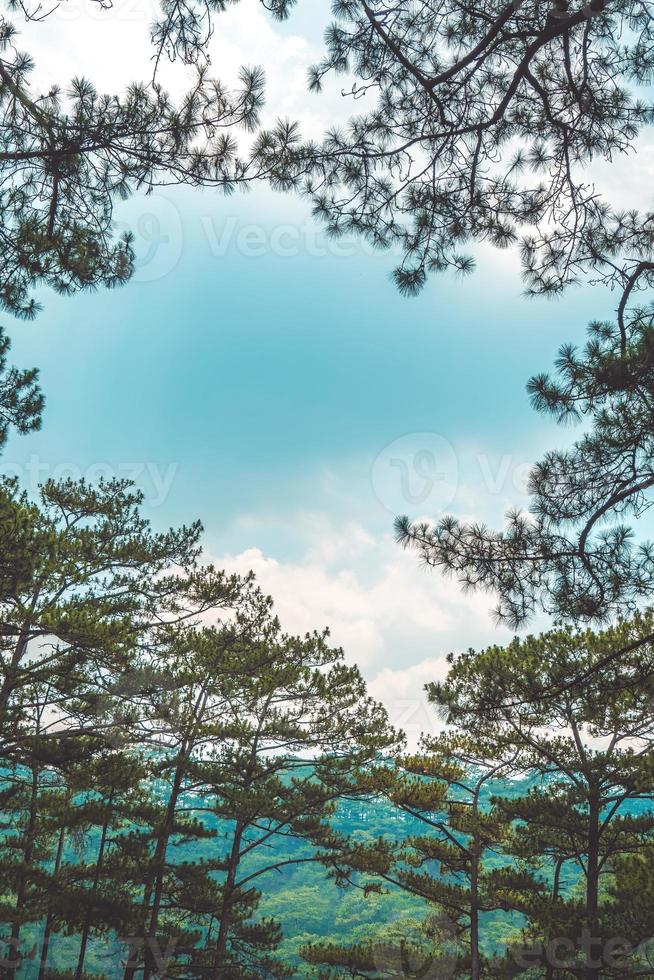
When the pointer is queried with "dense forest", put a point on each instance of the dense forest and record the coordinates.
(309, 907)
(186, 789)
(179, 771)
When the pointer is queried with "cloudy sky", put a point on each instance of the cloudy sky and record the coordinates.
(275, 384)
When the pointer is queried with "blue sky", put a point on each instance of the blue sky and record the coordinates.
(257, 375)
(277, 386)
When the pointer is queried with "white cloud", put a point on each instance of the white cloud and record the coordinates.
(327, 545)
(112, 47)
(627, 180)
(402, 691)
(396, 620)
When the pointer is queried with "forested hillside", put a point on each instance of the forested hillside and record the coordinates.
(310, 908)
(197, 780)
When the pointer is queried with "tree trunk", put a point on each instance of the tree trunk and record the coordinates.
(475, 966)
(549, 969)
(48, 922)
(592, 885)
(22, 875)
(86, 927)
(156, 893)
(228, 894)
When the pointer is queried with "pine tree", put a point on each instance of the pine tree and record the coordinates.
(180, 720)
(60, 812)
(86, 591)
(484, 116)
(31, 781)
(297, 728)
(21, 401)
(446, 792)
(573, 553)
(112, 801)
(83, 581)
(478, 119)
(66, 155)
(588, 748)
(630, 892)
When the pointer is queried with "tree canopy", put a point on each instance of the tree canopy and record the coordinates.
(21, 400)
(480, 119)
(166, 750)
(573, 554)
(483, 117)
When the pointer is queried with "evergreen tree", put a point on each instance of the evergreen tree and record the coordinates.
(484, 116)
(479, 118)
(84, 582)
(297, 728)
(67, 154)
(36, 802)
(112, 804)
(21, 401)
(61, 815)
(26, 845)
(629, 891)
(588, 748)
(573, 554)
(179, 721)
(445, 791)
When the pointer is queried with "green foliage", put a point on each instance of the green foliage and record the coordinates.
(68, 154)
(590, 746)
(477, 121)
(155, 725)
(573, 554)
(21, 401)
